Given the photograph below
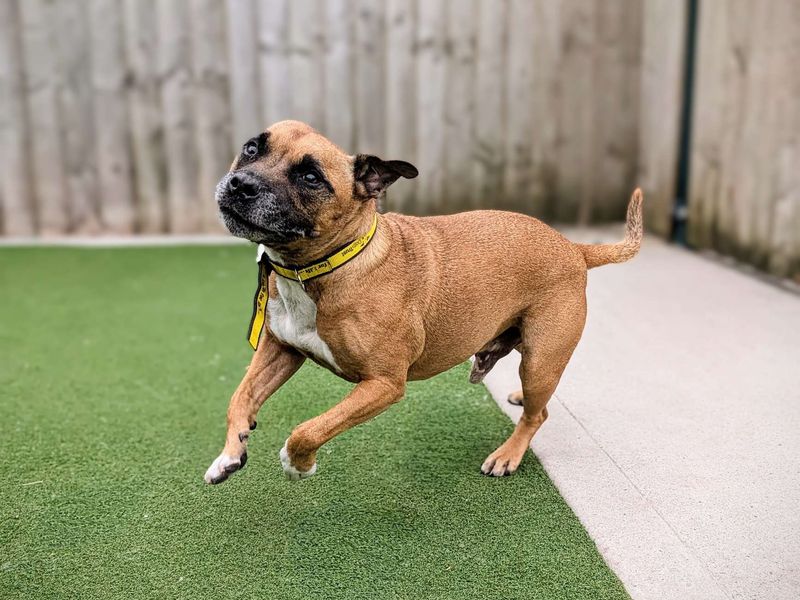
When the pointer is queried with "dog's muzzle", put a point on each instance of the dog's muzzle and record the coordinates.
(250, 209)
(243, 188)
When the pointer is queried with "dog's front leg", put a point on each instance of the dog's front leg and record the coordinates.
(368, 399)
(272, 365)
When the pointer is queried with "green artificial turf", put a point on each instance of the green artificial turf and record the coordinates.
(116, 370)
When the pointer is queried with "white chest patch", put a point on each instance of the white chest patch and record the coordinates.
(293, 320)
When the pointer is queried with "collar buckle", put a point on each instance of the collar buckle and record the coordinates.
(299, 279)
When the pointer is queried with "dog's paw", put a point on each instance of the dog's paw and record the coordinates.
(223, 466)
(289, 470)
(501, 462)
(516, 398)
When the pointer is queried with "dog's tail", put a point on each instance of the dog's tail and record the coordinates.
(597, 255)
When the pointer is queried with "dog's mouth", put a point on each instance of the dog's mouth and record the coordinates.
(243, 227)
(240, 220)
(254, 211)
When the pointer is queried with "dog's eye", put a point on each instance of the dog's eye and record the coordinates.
(311, 178)
(250, 149)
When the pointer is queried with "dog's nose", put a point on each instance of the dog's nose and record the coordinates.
(243, 185)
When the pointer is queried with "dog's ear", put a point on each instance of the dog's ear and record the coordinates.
(372, 176)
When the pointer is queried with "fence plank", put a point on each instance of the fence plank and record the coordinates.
(738, 45)
(490, 119)
(577, 118)
(18, 216)
(337, 97)
(660, 98)
(244, 71)
(370, 90)
(112, 147)
(305, 64)
(546, 28)
(755, 152)
(146, 120)
(721, 84)
(616, 68)
(211, 104)
(401, 97)
(706, 167)
(430, 104)
(273, 58)
(72, 35)
(520, 96)
(176, 98)
(459, 111)
(784, 242)
(47, 170)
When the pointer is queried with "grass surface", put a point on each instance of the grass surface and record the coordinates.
(116, 370)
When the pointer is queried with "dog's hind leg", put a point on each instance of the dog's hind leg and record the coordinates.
(272, 365)
(548, 338)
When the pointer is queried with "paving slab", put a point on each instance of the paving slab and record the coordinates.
(675, 431)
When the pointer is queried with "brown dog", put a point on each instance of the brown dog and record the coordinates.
(424, 295)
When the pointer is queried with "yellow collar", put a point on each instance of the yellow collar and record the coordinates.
(332, 262)
(301, 274)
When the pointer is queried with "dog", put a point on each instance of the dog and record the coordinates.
(415, 298)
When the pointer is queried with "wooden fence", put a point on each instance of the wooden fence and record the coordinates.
(745, 169)
(119, 116)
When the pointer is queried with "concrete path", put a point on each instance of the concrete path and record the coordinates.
(675, 432)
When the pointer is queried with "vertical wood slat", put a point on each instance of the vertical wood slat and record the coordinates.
(755, 151)
(576, 136)
(244, 71)
(532, 105)
(616, 70)
(72, 34)
(176, 102)
(490, 120)
(520, 95)
(430, 103)
(721, 84)
(707, 117)
(660, 98)
(337, 95)
(545, 107)
(45, 150)
(734, 85)
(18, 208)
(305, 61)
(768, 177)
(146, 118)
(112, 149)
(459, 104)
(273, 56)
(401, 97)
(211, 104)
(370, 90)
(784, 238)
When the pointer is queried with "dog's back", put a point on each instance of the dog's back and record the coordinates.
(485, 269)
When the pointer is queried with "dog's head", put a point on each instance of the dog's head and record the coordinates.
(291, 187)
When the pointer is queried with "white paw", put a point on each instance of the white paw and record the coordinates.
(223, 466)
(290, 471)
